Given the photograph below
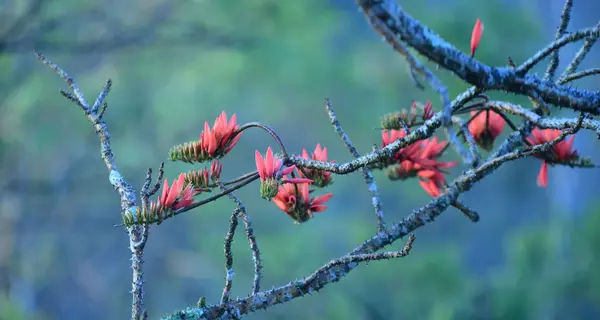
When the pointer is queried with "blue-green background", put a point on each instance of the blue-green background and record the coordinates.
(175, 64)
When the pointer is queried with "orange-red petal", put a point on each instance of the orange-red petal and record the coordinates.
(476, 36)
(260, 164)
(542, 179)
(269, 162)
(430, 187)
(165, 192)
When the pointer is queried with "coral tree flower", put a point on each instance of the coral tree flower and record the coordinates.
(267, 168)
(179, 195)
(320, 178)
(295, 200)
(418, 160)
(485, 127)
(215, 142)
(560, 153)
(218, 140)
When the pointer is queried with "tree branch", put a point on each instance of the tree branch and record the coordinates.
(137, 234)
(432, 46)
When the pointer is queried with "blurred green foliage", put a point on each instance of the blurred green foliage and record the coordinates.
(279, 60)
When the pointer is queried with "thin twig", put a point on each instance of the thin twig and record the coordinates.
(365, 257)
(468, 212)
(555, 45)
(369, 179)
(145, 192)
(255, 251)
(233, 222)
(102, 96)
(565, 17)
(579, 57)
(242, 213)
(580, 74)
(464, 129)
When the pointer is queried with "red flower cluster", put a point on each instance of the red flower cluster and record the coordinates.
(418, 160)
(561, 153)
(179, 195)
(295, 200)
(267, 168)
(320, 178)
(292, 195)
(214, 142)
(219, 140)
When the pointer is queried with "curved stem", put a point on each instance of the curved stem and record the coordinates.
(271, 132)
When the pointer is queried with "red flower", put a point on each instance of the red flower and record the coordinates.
(561, 153)
(419, 160)
(295, 200)
(267, 168)
(476, 36)
(485, 127)
(320, 178)
(180, 195)
(214, 142)
(218, 141)
(430, 175)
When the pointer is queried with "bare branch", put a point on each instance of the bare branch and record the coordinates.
(554, 46)
(255, 251)
(242, 213)
(137, 235)
(369, 179)
(565, 17)
(468, 212)
(580, 74)
(432, 46)
(102, 96)
(579, 56)
(233, 222)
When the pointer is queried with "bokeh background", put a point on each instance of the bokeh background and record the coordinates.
(175, 64)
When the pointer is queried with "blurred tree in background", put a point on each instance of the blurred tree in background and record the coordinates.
(175, 64)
